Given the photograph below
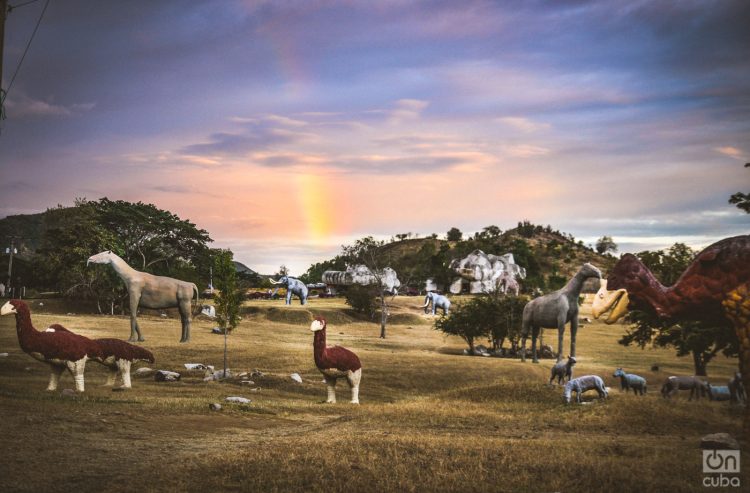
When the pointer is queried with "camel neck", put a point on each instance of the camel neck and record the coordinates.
(122, 268)
(574, 286)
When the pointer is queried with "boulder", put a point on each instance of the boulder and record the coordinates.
(719, 441)
(3, 355)
(296, 377)
(142, 372)
(238, 400)
(214, 406)
(257, 373)
(166, 376)
(217, 375)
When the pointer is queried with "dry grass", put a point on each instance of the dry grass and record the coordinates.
(430, 420)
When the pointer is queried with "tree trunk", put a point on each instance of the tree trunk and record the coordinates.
(699, 363)
(383, 316)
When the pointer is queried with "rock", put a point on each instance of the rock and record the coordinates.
(209, 311)
(68, 393)
(217, 330)
(3, 355)
(142, 372)
(238, 400)
(214, 406)
(257, 373)
(41, 304)
(247, 382)
(466, 352)
(28, 368)
(720, 441)
(296, 377)
(195, 366)
(166, 376)
(257, 389)
(217, 375)
(243, 374)
(163, 315)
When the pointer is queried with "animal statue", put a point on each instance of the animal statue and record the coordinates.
(697, 387)
(630, 381)
(293, 286)
(562, 369)
(554, 310)
(360, 274)
(438, 301)
(737, 389)
(60, 349)
(482, 271)
(505, 281)
(335, 362)
(715, 288)
(150, 291)
(719, 392)
(119, 356)
(582, 384)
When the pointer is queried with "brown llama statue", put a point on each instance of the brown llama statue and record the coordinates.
(60, 349)
(335, 362)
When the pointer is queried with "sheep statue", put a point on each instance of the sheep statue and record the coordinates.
(718, 392)
(582, 384)
(630, 381)
(695, 385)
(562, 369)
(55, 346)
(737, 389)
(335, 362)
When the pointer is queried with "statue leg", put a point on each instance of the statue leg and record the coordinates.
(123, 366)
(573, 332)
(185, 319)
(76, 368)
(54, 377)
(534, 335)
(354, 378)
(135, 331)
(331, 387)
(560, 335)
(288, 297)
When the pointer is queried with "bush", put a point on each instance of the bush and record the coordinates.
(362, 299)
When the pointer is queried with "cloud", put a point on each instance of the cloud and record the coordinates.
(523, 124)
(526, 150)
(732, 152)
(406, 110)
(22, 106)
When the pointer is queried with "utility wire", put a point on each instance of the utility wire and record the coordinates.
(11, 7)
(28, 45)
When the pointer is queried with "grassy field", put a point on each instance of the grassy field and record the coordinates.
(431, 419)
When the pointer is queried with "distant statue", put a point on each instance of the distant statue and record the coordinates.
(293, 286)
(485, 273)
(150, 291)
(438, 301)
(2, 290)
(360, 274)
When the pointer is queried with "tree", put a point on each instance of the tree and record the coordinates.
(370, 253)
(362, 299)
(700, 339)
(741, 200)
(454, 234)
(606, 244)
(464, 321)
(283, 270)
(229, 293)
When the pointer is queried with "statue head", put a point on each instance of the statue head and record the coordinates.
(318, 324)
(589, 270)
(566, 392)
(618, 373)
(104, 257)
(282, 280)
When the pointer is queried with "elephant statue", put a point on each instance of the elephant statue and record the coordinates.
(438, 301)
(293, 286)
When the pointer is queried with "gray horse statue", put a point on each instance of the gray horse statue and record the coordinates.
(554, 310)
(150, 291)
(438, 301)
(293, 286)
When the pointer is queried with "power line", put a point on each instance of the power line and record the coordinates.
(11, 7)
(28, 45)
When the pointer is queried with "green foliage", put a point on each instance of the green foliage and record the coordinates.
(492, 317)
(362, 299)
(606, 244)
(741, 200)
(700, 339)
(229, 296)
(314, 273)
(454, 234)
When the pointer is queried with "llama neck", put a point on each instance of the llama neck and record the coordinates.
(122, 268)
(319, 345)
(574, 286)
(24, 328)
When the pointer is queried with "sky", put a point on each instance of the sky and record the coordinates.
(288, 128)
